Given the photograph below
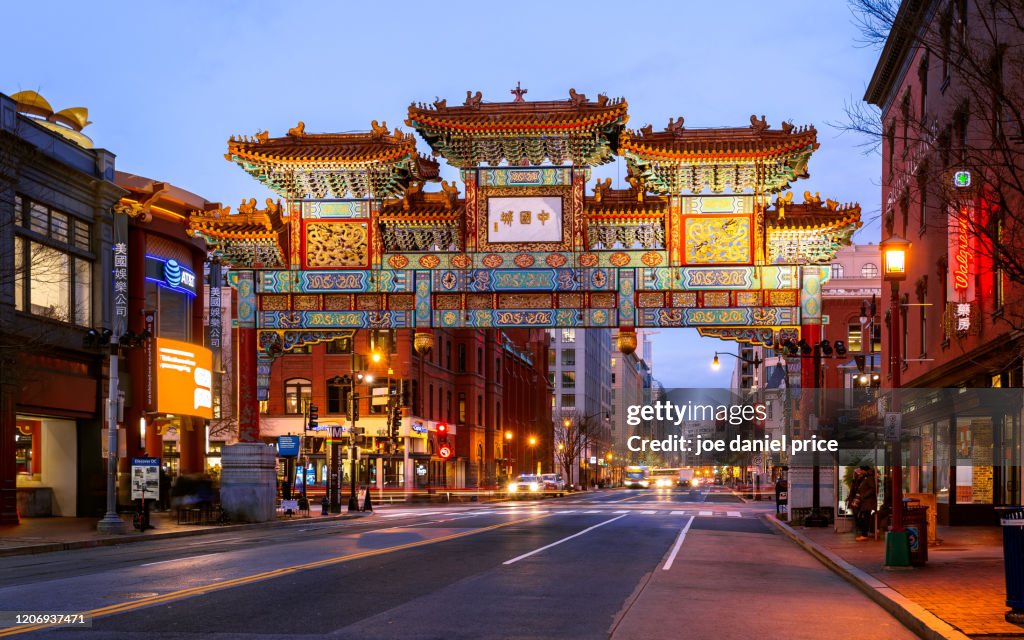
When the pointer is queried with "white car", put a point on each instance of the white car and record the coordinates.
(553, 482)
(526, 484)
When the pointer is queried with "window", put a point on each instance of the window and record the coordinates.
(480, 361)
(340, 346)
(448, 355)
(297, 393)
(551, 378)
(568, 379)
(462, 407)
(497, 370)
(53, 274)
(837, 271)
(922, 74)
(568, 400)
(462, 358)
(383, 340)
(430, 403)
(337, 398)
(479, 410)
(568, 335)
(854, 337)
(568, 357)
(551, 358)
(870, 270)
(450, 415)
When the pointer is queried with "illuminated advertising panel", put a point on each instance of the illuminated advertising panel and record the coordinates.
(184, 379)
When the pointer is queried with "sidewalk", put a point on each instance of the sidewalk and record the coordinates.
(961, 592)
(44, 535)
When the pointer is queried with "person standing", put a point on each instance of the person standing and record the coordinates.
(781, 493)
(863, 500)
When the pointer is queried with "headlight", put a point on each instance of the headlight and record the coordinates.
(644, 484)
(534, 486)
(513, 487)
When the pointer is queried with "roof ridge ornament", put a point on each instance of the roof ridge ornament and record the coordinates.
(674, 125)
(577, 99)
(472, 100)
(298, 130)
(518, 93)
(759, 125)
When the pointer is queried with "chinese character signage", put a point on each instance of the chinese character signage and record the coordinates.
(524, 219)
(962, 319)
(120, 287)
(184, 379)
(213, 327)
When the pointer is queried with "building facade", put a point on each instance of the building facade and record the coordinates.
(488, 389)
(56, 249)
(946, 189)
(580, 367)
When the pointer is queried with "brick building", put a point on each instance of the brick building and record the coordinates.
(943, 136)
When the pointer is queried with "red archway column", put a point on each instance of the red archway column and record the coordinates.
(248, 402)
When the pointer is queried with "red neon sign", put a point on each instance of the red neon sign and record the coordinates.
(962, 255)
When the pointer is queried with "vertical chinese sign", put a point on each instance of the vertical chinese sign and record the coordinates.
(214, 325)
(120, 288)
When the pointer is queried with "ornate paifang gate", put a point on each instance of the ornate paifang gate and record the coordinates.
(695, 242)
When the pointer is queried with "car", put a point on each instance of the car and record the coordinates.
(526, 485)
(553, 482)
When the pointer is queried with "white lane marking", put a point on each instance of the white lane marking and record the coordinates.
(621, 511)
(648, 513)
(706, 513)
(594, 511)
(568, 511)
(205, 555)
(734, 514)
(679, 543)
(558, 542)
(679, 513)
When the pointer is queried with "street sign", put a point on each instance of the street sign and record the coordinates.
(145, 478)
(287, 446)
(445, 451)
(893, 425)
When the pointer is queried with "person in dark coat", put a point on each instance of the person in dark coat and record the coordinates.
(781, 493)
(863, 499)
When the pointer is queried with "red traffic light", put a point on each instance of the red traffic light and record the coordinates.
(442, 429)
(445, 451)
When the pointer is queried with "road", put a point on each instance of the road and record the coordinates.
(617, 563)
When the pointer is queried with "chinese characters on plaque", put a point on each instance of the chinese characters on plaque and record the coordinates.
(524, 219)
(120, 287)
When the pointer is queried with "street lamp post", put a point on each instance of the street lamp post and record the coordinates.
(533, 454)
(111, 522)
(894, 270)
(508, 458)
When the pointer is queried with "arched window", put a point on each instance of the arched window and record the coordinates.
(297, 393)
(870, 270)
(837, 271)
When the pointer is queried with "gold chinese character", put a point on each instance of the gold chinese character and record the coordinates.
(543, 216)
(524, 217)
(506, 218)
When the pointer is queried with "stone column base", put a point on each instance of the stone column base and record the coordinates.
(248, 482)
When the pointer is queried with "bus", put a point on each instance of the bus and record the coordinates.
(636, 478)
(664, 478)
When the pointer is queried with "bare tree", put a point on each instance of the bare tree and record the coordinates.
(572, 438)
(972, 121)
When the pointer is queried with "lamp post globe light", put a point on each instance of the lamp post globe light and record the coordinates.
(533, 454)
(508, 458)
(895, 251)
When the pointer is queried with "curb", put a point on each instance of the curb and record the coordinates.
(913, 616)
(50, 547)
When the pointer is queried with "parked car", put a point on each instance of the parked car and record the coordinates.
(553, 483)
(526, 485)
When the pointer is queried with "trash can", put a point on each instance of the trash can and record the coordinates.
(915, 521)
(1012, 521)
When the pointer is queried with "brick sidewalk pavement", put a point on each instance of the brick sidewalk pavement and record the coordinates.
(962, 584)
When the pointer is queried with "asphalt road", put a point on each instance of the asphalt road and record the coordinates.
(625, 564)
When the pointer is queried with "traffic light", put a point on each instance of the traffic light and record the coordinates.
(352, 410)
(840, 348)
(446, 451)
(313, 417)
(442, 430)
(395, 422)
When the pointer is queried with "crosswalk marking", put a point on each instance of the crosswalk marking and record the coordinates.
(594, 511)
(621, 511)
(648, 513)
(733, 514)
(705, 513)
(679, 513)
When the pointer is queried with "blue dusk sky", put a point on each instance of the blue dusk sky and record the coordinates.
(167, 83)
